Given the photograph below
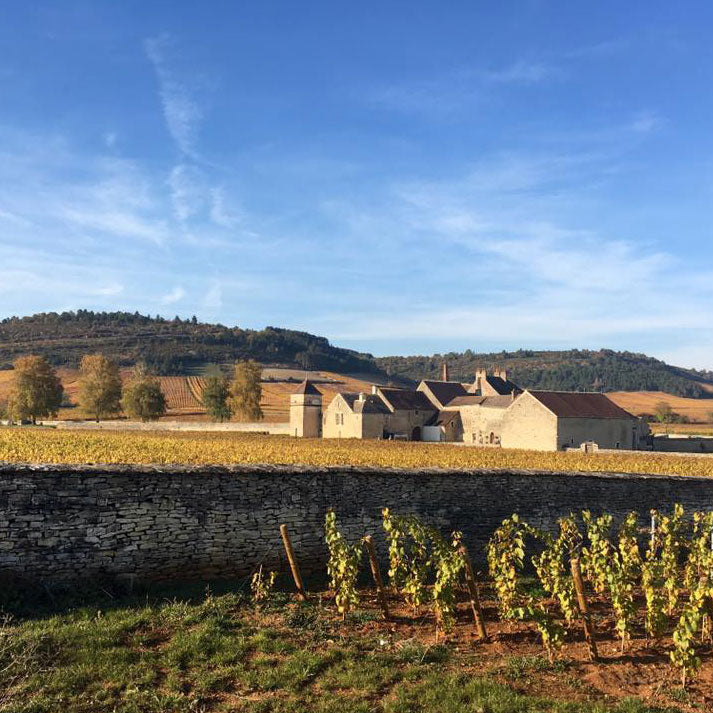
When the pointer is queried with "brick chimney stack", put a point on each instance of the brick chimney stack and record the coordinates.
(444, 371)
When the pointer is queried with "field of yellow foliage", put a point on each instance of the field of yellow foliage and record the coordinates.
(39, 445)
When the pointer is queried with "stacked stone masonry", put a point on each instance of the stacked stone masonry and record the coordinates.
(62, 523)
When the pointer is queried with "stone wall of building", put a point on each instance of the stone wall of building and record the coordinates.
(613, 433)
(60, 523)
(529, 425)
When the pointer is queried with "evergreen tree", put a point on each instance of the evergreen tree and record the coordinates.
(142, 397)
(37, 390)
(99, 386)
(246, 391)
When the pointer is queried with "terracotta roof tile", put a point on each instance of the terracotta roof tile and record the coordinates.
(445, 391)
(569, 404)
(406, 400)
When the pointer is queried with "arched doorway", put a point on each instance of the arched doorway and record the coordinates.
(416, 434)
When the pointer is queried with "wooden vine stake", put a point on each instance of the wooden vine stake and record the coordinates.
(376, 574)
(584, 609)
(301, 594)
(474, 596)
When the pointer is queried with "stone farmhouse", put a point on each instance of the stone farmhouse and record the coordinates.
(491, 412)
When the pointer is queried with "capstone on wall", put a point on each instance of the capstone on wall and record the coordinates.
(61, 523)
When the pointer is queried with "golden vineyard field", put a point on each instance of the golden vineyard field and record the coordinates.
(28, 445)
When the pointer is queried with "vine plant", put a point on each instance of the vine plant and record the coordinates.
(450, 565)
(597, 556)
(652, 580)
(551, 566)
(684, 654)
(409, 560)
(699, 548)
(416, 551)
(668, 531)
(622, 576)
(506, 556)
(343, 565)
(261, 585)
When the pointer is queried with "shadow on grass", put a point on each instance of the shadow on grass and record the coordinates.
(28, 600)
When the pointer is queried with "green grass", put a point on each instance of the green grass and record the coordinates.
(215, 652)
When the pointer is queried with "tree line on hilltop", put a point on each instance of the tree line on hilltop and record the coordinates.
(572, 370)
(181, 346)
(37, 392)
(167, 346)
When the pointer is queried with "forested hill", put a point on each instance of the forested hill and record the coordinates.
(574, 370)
(167, 346)
(176, 346)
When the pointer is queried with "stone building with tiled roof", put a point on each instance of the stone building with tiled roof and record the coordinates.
(491, 412)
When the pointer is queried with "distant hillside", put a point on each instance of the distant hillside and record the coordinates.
(167, 346)
(176, 346)
(574, 370)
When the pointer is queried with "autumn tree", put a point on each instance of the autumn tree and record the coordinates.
(37, 390)
(99, 386)
(215, 397)
(663, 412)
(142, 397)
(246, 391)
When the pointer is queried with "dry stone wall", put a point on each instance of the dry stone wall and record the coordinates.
(61, 523)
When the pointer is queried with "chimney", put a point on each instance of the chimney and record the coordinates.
(362, 396)
(444, 371)
(374, 389)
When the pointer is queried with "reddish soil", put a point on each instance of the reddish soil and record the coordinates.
(514, 655)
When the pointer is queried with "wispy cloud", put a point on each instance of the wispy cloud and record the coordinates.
(212, 301)
(181, 111)
(519, 269)
(647, 121)
(453, 91)
(188, 191)
(219, 213)
(606, 48)
(521, 72)
(175, 295)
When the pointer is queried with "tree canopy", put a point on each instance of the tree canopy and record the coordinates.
(99, 386)
(142, 397)
(216, 393)
(37, 390)
(246, 391)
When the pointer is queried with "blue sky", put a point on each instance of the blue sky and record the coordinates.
(400, 177)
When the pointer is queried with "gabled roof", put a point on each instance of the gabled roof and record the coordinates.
(443, 418)
(406, 400)
(569, 404)
(499, 401)
(370, 403)
(484, 401)
(502, 386)
(498, 385)
(445, 391)
(307, 387)
(467, 400)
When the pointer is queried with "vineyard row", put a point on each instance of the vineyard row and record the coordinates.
(665, 586)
